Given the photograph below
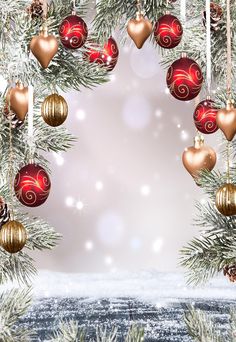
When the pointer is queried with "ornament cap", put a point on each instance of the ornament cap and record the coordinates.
(230, 104)
(184, 55)
(139, 15)
(73, 12)
(44, 31)
(198, 141)
(19, 85)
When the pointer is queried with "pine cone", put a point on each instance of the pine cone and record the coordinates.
(11, 116)
(36, 9)
(216, 16)
(4, 212)
(230, 272)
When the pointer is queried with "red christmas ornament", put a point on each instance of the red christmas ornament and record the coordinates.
(73, 32)
(205, 117)
(168, 31)
(32, 185)
(184, 79)
(108, 56)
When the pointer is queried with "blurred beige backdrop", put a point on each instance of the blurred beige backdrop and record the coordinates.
(121, 197)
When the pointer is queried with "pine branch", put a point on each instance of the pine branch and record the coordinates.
(68, 332)
(135, 334)
(114, 14)
(13, 305)
(104, 336)
(201, 327)
(71, 332)
(207, 255)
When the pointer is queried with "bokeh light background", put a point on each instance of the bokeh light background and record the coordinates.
(121, 197)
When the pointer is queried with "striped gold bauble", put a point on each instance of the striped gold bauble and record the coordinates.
(226, 199)
(54, 110)
(13, 236)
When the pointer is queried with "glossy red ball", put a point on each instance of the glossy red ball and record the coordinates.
(184, 79)
(205, 117)
(168, 31)
(32, 185)
(107, 56)
(73, 32)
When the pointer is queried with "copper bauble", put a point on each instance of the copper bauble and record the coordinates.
(44, 47)
(54, 110)
(139, 30)
(198, 158)
(226, 120)
(226, 199)
(13, 236)
(18, 100)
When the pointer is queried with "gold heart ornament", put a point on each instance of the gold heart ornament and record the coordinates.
(18, 100)
(44, 47)
(199, 157)
(139, 30)
(226, 120)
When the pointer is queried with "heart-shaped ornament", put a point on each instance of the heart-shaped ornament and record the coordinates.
(198, 158)
(44, 47)
(139, 30)
(226, 120)
(18, 100)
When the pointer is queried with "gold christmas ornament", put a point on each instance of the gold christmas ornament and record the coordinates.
(54, 110)
(13, 236)
(198, 157)
(226, 120)
(44, 47)
(226, 199)
(139, 30)
(18, 100)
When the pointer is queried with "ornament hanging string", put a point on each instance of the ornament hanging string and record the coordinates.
(229, 77)
(45, 10)
(183, 11)
(229, 52)
(31, 122)
(208, 45)
(73, 7)
(196, 102)
(228, 162)
(11, 156)
(139, 6)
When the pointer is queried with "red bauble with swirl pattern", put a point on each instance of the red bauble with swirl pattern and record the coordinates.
(73, 32)
(184, 79)
(168, 31)
(106, 56)
(32, 185)
(205, 117)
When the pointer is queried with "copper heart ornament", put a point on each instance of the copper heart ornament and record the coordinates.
(198, 157)
(44, 47)
(226, 120)
(139, 30)
(18, 100)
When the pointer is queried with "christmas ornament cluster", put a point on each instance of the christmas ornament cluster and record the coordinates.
(184, 80)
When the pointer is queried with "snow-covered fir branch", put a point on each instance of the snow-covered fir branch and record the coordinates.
(71, 332)
(13, 305)
(202, 328)
(206, 255)
(68, 70)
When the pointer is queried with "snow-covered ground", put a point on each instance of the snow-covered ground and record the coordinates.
(149, 286)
